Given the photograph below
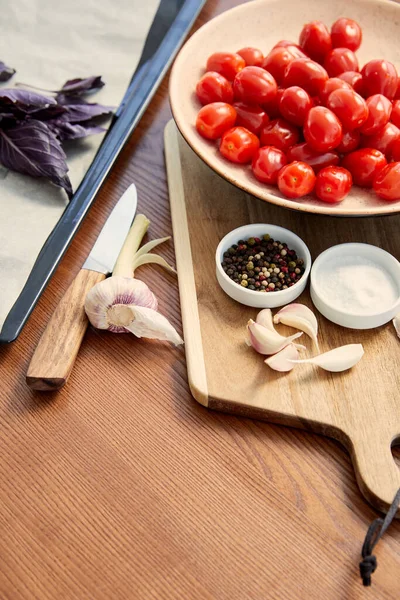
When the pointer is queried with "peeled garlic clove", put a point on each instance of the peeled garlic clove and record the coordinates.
(150, 324)
(283, 360)
(396, 323)
(264, 318)
(337, 360)
(300, 317)
(265, 341)
(106, 303)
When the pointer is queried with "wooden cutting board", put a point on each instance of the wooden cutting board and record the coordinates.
(360, 407)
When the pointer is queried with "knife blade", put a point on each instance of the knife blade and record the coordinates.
(55, 354)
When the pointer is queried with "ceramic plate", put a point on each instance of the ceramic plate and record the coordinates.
(262, 23)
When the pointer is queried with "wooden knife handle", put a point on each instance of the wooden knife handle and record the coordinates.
(58, 347)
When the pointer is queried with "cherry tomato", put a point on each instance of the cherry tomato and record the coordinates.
(213, 87)
(332, 84)
(346, 33)
(333, 184)
(267, 163)
(383, 139)
(239, 145)
(307, 74)
(397, 96)
(213, 119)
(286, 43)
(253, 57)
(379, 110)
(281, 134)
(296, 180)
(277, 61)
(254, 85)
(295, 104)
(250, 116)
(395, 116)
(315, 40)
(226, 63)
(354, 79)
(364, 165)
(272, 107)
(380, 77)
(316, 160)
(396, 151)
(322, 129)
(387, 182)
(349, 107)
(340, 60)
(350, 142)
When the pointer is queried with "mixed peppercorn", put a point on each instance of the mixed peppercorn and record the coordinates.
(262, 264)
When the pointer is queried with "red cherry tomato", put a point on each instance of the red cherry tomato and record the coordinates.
(250, 116)
(281, 134)
(316, 160)
(272, 107)
(364, 165)
(346, 33)
(332, 84)
(340, 60)
(267, 163)
(213, 119)
(226, 63)
(295, 104)
(277, 61)
(239, 145)
(379, 110)
(380, 77)
(354, 79)
(395, 116)
(396, 151)
(254, 85)
(350, 142)
(296, 180)
(322, 129)
(349, 107)
(213, 87)
(333, 184)
(307, 74)
(315, 40)
(387, 182)
(397, 96)
(286, 44)
(383, 139)
(253, 57)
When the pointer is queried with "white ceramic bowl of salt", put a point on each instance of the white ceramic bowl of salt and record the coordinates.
(356, 285)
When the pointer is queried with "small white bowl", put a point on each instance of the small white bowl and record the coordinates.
(251, 297)
(354, 319)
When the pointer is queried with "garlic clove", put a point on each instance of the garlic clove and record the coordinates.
(396, 323)
(150, 324)
(337, 360)
(264, 318)
(300, 317)
(265, 341)
(283, 360)
(145, 259)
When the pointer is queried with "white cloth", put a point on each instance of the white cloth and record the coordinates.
(48, 43)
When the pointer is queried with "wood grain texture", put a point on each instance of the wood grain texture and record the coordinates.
(120, 486)
(55, 355)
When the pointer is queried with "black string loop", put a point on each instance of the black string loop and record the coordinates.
(375, 531)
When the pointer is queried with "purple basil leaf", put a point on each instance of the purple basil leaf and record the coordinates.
(5, 72)
(54, 111)
(84, 111)
(31, 148)
(73, 131)
(81, 86)
(24, 99)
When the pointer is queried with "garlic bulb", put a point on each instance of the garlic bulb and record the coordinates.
(337, 360)
(300, 317)
(283, 360)
(266, 341)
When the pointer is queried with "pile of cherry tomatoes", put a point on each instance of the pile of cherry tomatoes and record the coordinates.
(304, 116)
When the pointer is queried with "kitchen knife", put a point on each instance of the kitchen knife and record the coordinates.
(58, 347)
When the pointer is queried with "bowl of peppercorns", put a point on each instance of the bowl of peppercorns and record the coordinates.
(262, 265)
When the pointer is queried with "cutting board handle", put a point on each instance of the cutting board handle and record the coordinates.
(377, 473)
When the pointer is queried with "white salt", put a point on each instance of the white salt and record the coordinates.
(357, 285)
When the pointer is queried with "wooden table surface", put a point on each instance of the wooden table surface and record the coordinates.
(120, 486)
